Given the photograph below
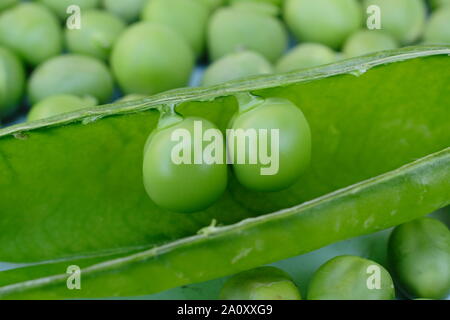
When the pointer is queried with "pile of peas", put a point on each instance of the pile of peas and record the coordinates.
(143, 47)
(418, 259)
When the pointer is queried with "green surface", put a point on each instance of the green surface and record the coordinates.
(98, 151)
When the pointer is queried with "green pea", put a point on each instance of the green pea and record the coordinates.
(438, 28)
(182, 187)
(263, 33)
(329, 22)
(281, 121)
(257, 7)
(59, 104)
(236, 66)
(97, 35)
(128, 10)
(186, 17)
(351, 278)
(368, 41)
(5, 4)
(59, 7)
(263, 283)
(71, 74)
(212, 4)
(149, 58)
(439, 3)
(403, 19)
(32, 32)
(132, 97)
(306, 55)
(12, 82)
(272, 2)
(419, 253)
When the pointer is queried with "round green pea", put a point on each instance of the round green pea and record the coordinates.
(128, 10)
(188, 18)
(306, 55)
(12, 82)
(257, 7)
(403, 19)
(59, 7)
(368, 41)
(236, 66)
(276, 116)
(212, 4)
(98, 33)
(232, 29)
(351, 278)
(329, 22)
(419, 254)
(438, 28)
(149, 58)
(263, 283)
(71, 74)
(272, 2)
(182, 187)
(59, 104)
(32, 32)
(5, 4)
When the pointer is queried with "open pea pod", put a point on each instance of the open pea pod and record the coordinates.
(71, 187)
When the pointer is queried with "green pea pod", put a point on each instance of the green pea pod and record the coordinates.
(351, 278)
(263, 283)
(419, 252)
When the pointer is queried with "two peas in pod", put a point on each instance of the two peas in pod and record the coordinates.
(268, 143)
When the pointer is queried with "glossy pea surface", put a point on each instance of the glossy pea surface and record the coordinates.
(306, 55)
(236, 66)
(99, 32)
(149, 58)
(188, 18)
(128, 10)
(59, 7)
(437, 30)
(26, 27)
(232, 29)
(328, 22)
(71, 74)
(263, 283)
(59, 104)
(368, 41)
(349, 278)
(294, 147)
(403, 19)
(12, 81)
(419, 253)
(183, 187)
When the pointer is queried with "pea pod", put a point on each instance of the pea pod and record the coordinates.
(351, 278)
(264, 283)
(419, 253)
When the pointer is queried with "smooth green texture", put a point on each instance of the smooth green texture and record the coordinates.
(72, 74)
(263, 283)
(351, 278)
(437, 30)
(59, 104)
(132, 97)
(403, 19)
(248, 244)
(59, 7)
(98, 33)
(12, 82)
(24, 28)
(236, 66)
(419, 254)
(128, 10)
(186, 187)
(328, 22)
(439, 3)
(188, 18)
(272, 2)
(257, 7)
(232, 29)
(5, 4)
(351, 127)
(149, 58)
(306, 55)
(368, 41)
(294, 148)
